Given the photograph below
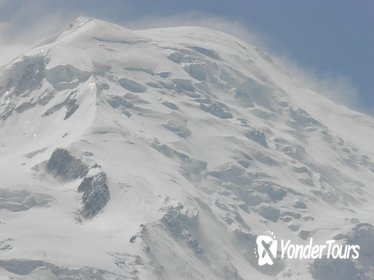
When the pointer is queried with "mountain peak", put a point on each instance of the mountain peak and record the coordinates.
(86, 28)
(167, 136)
(79, 21)
(83, 20)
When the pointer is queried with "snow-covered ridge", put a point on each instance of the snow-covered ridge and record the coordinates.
(162, 153)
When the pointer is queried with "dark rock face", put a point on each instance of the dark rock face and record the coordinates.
(118, 101)
(95, 194)
(132, 85)
(94, 188)
(218, 110)
(71, 107)
(66, 167)
(183, 224)
(22, 200)
(270, 213)
(64, 77)
(257, 136)
(362, 268)
(24, 107)
(24, 76)
(363, 235)
(26, 267)
(210, 53)
(191, 168)
(70, 103)
(324, 269)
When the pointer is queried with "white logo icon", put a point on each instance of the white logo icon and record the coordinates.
(266, 248)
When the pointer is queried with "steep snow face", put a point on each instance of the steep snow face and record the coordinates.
(163, 153)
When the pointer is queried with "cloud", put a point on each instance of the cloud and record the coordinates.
(340, 89)
(25, 23)
(8, 48)
(36, 20)
(233, 27)
(25, 26)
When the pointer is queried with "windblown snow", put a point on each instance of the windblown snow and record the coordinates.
(163, 153)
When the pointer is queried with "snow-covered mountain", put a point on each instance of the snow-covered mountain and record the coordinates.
(163, 153)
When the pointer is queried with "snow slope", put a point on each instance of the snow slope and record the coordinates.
(162, 153)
